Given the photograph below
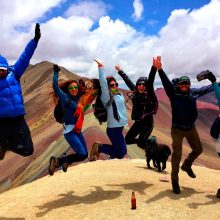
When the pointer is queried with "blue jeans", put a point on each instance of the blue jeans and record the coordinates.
(118, 149)
(78, 144)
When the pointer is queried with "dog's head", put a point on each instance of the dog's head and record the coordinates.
(151, 147)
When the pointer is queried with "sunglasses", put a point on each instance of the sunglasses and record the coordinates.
(141, 84)
(112, 85)
(73, 87)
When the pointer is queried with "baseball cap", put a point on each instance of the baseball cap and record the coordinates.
(184, 79)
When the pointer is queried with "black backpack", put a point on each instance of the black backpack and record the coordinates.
(100, 110)
(59, 112)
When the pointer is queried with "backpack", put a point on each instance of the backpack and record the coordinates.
(100, 110)
(59, 112)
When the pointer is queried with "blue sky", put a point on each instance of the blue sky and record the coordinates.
(153, 16)
(185, 33)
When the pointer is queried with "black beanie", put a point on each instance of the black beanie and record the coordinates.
(142, 79)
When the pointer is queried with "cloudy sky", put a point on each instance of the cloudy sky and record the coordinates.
(185, 33)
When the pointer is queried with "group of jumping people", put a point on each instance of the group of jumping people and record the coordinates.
(75, 98)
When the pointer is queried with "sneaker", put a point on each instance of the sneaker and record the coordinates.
(54, 163)
(64, 166)
(188, 170)
(2, 152)
(94, 154)
(218, 194)
(176, 187)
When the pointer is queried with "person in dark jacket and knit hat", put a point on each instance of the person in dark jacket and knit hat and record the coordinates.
(145, 105)
(184, 114)
(14, 132)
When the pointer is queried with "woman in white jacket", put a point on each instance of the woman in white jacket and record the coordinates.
(116, 119)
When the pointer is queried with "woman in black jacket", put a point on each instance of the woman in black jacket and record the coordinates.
(145, 104)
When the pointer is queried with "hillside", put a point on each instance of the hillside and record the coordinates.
(102, 190)
(47, 134)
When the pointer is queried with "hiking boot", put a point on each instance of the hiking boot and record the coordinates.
(188, 170)
(176, 187)
(94, 154)
(218, 194)
(54, 163)
(64, 166)
(2, 152)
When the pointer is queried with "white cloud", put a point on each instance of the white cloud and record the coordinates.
(188, 43)
(91, 9)
(138, 9)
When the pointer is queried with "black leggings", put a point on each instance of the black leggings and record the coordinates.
(71, 158)
(15, 136)
(143, 128)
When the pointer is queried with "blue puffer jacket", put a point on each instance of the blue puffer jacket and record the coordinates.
(11, 99)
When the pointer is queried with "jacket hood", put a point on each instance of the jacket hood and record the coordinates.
(142, 79)
(3, 62)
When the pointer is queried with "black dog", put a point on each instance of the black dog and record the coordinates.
(159, 153)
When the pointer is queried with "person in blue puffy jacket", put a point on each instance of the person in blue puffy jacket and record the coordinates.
(14, 132)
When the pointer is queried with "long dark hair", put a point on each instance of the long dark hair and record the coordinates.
(96, 86)
(64, 87)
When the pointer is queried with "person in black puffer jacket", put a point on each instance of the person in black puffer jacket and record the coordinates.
(145, 104)
(184, 114)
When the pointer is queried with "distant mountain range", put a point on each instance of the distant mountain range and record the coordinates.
(47, 134)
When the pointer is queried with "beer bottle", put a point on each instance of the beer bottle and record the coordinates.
(133, 201)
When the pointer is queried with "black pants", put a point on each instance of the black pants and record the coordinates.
(15, 136)
(143, 128)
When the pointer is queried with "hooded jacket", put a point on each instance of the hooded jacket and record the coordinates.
(184, 110)
(11, 99)
(144, 104)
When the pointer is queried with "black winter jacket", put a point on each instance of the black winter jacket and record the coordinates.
(144, 104)
(184, 110)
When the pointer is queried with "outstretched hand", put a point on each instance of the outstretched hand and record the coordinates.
(37, 32)
(99, 63)
(56, 68)
(117, 67)
(211, 77)
(157, 62)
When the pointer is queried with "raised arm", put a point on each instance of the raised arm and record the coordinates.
(125, 77)
(201, 91)
(105, 96)
(205, 89)
(56, 88)
(23, 61)
(167, 84)
(151, 78)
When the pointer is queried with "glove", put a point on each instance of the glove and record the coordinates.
(56, 68)
(37, 32)
(203, 75)
(211, 77)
